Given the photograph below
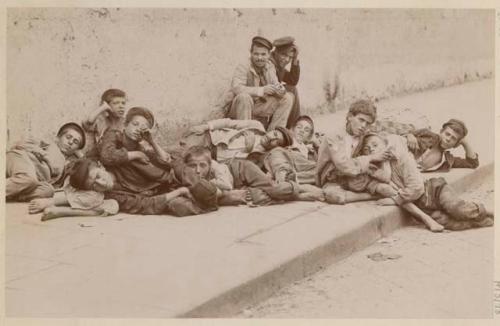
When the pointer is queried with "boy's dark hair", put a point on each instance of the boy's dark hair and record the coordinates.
(364, 107)
(108, 95)
(197, 151)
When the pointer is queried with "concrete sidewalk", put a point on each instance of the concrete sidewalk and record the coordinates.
(210, 265)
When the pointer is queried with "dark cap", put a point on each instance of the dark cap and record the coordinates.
(261, 41)
(286, 136)
(146, 113)
(458, 126)
(76, 127)
(284, 42)
(79, 173)
(205, 194)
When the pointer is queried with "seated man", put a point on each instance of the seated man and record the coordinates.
(93, 192)
(433, 197)
(431, 150)
(257, 92)
(35, 167)
(136, 170)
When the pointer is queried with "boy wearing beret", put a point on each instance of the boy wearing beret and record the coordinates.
(257, 92)
(136, 170)
(35, 167)
(287, 53)
(431, 150)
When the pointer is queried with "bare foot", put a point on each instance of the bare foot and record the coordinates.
(49, 213)
(38, 205)
(435, 227)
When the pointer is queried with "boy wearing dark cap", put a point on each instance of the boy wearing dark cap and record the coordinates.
(136, 170)
(257, 92)
(35, 167)
(286, 52)
(431, 150)
(109, 115)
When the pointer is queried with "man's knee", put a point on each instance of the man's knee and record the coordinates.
(287, 99)
(243, 98)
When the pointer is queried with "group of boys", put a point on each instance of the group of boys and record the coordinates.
(264, 152)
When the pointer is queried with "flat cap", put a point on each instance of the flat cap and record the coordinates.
(285, 41)
(261, 41)
(76, 127)
(458, 126)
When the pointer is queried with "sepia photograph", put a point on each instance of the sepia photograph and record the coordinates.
(249, 162)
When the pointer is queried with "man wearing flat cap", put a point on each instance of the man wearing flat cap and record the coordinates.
(257, 91)
(431, 150)
(286, 52)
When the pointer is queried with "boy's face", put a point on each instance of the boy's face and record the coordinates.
(99, 179)
(70, 141)
(136, 126)
(449, 138)
(196, 168)
(117, 105)
(272, 139)
(259, 55)
(373, 145)
(359, 123)
(284, 57)
(302, 131)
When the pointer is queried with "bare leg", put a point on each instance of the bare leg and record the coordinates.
(53, 212)
(426, 219)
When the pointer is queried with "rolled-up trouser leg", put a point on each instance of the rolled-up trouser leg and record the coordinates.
(457, 208)
(241, 107)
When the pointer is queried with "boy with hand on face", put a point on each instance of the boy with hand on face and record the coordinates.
(109, 115)
(136, 170)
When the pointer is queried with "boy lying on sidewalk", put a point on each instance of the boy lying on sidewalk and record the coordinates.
(91, 193)
(431, 150)
(407, 189)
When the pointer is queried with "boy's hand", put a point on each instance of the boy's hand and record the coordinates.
(412, 142)
(146, 135)
(105, 107)
(382, 156)
(269, 90)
